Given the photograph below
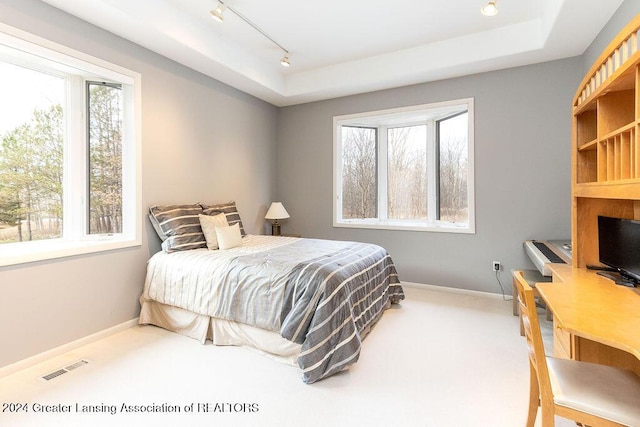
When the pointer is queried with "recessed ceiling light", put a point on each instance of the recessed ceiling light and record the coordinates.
(490, 9)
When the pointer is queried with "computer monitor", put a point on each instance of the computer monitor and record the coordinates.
(619, 245)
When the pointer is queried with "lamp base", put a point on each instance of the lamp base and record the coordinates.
(275, 229)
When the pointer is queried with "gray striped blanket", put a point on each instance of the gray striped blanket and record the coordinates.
(322, 294)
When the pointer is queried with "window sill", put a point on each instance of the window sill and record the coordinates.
(440, 227)
(22, 253)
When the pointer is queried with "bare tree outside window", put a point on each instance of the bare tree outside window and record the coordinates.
(454, 164)
(359, 163)
(105, 158)
(407, 172)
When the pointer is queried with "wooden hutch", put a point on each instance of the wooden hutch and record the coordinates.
(606, 147)
(594, 319)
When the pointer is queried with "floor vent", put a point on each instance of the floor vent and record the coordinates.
(62, 371)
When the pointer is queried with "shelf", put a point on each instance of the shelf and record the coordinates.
(623, 78)
(586, 125)
(615, 110)
(627, 82)
(628, 189)
(591, 145)
(620, 130)
(616, 155)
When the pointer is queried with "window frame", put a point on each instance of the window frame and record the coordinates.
(78, 69)
(438, 177)
(381, 120)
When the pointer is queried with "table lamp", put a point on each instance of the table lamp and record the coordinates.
(276, 211)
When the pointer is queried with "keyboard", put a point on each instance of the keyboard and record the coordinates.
(548, 252)
(545, 252)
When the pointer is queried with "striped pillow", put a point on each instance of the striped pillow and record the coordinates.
(229, 209)
(178, 226)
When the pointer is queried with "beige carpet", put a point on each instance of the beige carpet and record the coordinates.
(438, 359)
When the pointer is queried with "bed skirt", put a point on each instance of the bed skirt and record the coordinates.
(219, 331)
(225, 332)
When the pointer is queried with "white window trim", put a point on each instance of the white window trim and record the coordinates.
(406, 225)
(24, 252)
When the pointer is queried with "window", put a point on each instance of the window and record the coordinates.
(69, 152)
(409, 168)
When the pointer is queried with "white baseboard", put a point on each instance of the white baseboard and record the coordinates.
(451, 290)
(38, 358)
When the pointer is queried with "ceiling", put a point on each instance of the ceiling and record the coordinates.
(351, 46)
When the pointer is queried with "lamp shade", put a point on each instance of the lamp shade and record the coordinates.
(276, 211)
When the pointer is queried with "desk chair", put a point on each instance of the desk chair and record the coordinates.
(588, 393)
(531, 277)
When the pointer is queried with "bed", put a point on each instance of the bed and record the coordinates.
(308, 302)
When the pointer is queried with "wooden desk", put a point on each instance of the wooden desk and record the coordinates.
(595, 320)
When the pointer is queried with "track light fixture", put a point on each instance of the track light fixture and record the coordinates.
(490, 8)
(218, 15)
(285, 60)
(218, 12)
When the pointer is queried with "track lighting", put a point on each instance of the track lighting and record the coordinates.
(218, 12)
(218, 15)
(489, 9)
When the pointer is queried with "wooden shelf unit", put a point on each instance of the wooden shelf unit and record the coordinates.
(606, 143)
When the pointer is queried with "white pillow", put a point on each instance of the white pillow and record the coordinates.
(209, 224)
(229, 237)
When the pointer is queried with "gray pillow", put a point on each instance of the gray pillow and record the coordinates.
(178, 226)
(229, 209)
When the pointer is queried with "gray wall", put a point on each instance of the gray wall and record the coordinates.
(522, 172)
(202, 141)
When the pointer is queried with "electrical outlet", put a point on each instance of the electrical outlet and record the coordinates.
(496, 265)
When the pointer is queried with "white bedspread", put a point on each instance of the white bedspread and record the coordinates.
(215, 284)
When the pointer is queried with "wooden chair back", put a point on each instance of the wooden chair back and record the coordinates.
(535, 345)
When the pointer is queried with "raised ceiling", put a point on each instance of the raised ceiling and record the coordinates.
(352, 46)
